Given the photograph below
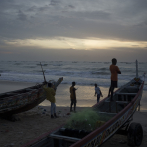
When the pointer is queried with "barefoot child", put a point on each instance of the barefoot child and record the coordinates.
(98, 93)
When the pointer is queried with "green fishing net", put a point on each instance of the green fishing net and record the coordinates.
(87, 119)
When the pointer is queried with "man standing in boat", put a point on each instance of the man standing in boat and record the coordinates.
(72, 91)
(114, 78)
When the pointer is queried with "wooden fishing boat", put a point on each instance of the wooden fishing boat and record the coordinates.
(22, 100)
(120, 111)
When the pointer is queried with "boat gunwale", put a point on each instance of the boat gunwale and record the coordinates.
(33, 142)
(16, 92)
(25, 92)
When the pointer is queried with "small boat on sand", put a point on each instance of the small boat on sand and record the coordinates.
(120, 113)
(22, 100)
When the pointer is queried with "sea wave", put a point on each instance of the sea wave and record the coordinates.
(57, 64)
(85, 73)
(18, 63)
(100, 73)
(29, 66)
(42, 64)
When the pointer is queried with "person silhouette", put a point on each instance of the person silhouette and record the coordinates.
(114, 77)
(72, 91)
(98, 93)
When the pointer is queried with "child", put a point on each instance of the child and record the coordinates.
(98, 92)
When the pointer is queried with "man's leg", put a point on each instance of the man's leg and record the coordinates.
(98, 98)
(55, 110)
(71, 105)
(52, 110)
(109, 91)
(74, 105)
(112, 89)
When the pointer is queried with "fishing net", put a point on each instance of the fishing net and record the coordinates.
(87, 119)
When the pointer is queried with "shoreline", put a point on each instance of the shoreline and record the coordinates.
(85, 94)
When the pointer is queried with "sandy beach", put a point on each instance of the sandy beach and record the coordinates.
(33, 124)
(37, 121)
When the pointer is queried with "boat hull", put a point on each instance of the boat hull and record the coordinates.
(22, 102)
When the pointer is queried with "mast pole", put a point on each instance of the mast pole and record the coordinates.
(43, 73)
(136, 69)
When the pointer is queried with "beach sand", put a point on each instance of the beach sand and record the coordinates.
(34, 123)
(31, 125)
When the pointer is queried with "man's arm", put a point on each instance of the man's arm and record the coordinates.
(101, 93)
(95, 93)
(119, 72)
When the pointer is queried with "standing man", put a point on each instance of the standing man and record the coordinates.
(98, 93)
(114, 78)
(72, 91)
(50, 92)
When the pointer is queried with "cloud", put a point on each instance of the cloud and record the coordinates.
(22, 16)
(37, 54)
(71, 6)
(54, 2)
(32, 9)
(115, 20)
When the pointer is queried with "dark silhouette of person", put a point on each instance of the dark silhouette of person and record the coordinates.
(114, 78)
(98, 93)
(73, 96)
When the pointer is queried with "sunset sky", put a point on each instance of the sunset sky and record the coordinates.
(83, 30)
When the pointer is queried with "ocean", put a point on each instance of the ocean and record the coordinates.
(85, 74)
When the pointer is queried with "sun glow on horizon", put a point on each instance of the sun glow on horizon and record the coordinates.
(72, 43)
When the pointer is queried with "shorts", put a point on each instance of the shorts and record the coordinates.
(73, 101)
(114, 84)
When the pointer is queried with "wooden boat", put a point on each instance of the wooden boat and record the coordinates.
(22, 100)
(125, 102)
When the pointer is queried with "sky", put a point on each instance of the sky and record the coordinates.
(77, 30)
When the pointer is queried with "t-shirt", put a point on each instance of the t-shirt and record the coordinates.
(114, 69)
(97, 90)
(72, 92)
(50, 94)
